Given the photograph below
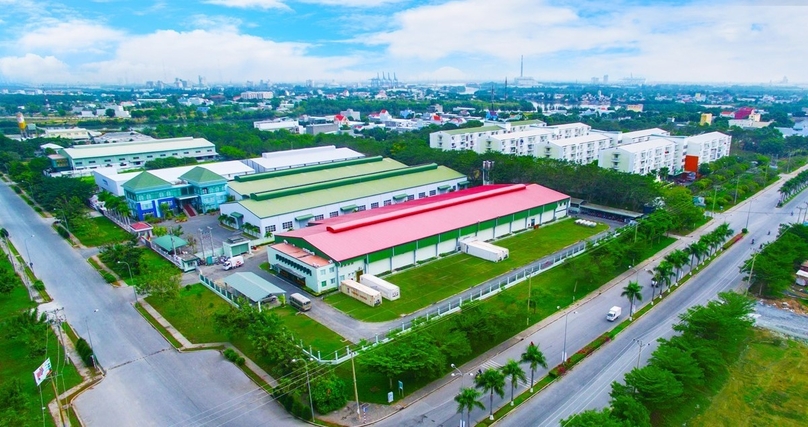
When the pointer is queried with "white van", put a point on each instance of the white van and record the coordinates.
(614, 313)
(299, 302)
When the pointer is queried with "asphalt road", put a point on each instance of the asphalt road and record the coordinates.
(587, 386)
(148, 383)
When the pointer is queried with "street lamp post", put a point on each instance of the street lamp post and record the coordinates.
(462, 377)
(566, 323)
(308, 385)
(131, 278)
(28, 252)
(640, 346)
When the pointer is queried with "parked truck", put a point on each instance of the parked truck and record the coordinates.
(233, 262)
(388, 290)
(614, 313)
(483, 250)
(363, 293)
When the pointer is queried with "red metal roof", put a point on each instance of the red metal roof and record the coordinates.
(353, 235)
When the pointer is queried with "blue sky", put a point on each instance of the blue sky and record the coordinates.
(120, 41)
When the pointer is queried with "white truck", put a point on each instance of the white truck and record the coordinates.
(361, 292)
(233, 262)
(388, 290)
(614, 313)
(483, 250)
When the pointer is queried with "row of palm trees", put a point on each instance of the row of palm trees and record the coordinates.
(492, 381)
(671, 266)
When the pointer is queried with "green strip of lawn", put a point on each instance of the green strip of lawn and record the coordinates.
(440, 279)
(192, 314)
(99, 231)
(16, 363)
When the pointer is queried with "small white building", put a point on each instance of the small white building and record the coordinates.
(288, 159)
(274, 125)
(74, 133)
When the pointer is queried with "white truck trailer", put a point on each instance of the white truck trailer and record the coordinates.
(388, 290)
(363, 293)
(484, 250)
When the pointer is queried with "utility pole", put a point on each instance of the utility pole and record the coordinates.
(355, 388)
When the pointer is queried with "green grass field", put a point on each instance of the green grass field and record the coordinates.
(192, 315)
(554, 288)
(100, 231)
(440, 279)
(767, 386)
(16, 364)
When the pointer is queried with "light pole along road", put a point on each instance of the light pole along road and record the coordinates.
(147, 382)
(614, 359)
(587, 386)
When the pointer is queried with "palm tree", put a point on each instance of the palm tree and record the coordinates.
(514, 372)
(665, 271)
(467, 400)
(678, 259)
(491, 380)
(632, 291)
(535, 358)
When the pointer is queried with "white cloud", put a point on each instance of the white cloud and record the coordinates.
(219, 22)
(69, 36)
(352, 3)
(250, 4)
(33, 69)
(164, 55)
(442, 74)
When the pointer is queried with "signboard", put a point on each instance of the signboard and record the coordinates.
(401, 385)
(390, 397)
(42, 371)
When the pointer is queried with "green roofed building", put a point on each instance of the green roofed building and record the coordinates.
(289, 199)
(198, 190)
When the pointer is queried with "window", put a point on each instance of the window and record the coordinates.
(91, 161)
(318, 217)
(388, 202)
(421, 195)
(173, 154)
(333, 280)
(271, 228)
(433, 192)
(184, 152)
(198, 151)
(374, 205)
(322, 284)
(121, 159)
(322, 271)
(136, 157)
(333, 214)
(331, 270)
(287, 225)
(163, 155)
(411, 197)
(360, 208)
(107, 160)
(209, 150)
(342, 277)
(149, 156)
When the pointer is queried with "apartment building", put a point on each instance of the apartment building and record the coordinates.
(642, 157)
(705, 148)
(475, 138)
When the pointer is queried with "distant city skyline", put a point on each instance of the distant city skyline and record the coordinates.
(131, 42)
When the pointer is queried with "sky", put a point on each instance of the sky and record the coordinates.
(345, 41)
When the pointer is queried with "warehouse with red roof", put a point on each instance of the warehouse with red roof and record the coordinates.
(389, 238)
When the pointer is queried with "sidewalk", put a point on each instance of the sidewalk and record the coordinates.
(189, 346)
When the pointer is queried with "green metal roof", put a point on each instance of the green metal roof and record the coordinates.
(304, 217)
(400, 196)
(169, 242)
(353, 191)
(146, 181)
(472, 130)
(444, 187)
(200, 175)
(348, 208)
(252, 286)
(307, 176)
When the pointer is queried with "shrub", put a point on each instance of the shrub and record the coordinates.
(62, 232)
(234, 357)
(39, 286)
(109, 278)
(85, 352)
(37, 209)
(16, 189)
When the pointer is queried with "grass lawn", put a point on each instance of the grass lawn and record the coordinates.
(767, 386)
(555, 287)
(100, 231)
(440, 279)
(192, 315)
(16, 364)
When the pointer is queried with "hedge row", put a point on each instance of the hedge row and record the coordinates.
(579, 355)
(232, 356)
(85, 352)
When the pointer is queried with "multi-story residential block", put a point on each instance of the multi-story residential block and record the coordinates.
(642, 157)
(705, 148)
(473, 138)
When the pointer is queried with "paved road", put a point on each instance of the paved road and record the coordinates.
(587, 386)
(148, 383)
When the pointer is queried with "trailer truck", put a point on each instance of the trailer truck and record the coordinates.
(388, 290)
(484, 250)
(361, 292)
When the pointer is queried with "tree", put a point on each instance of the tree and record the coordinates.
(535, 358)
(632, 291)
(8, 281)
(696, 251)
(467, 400)
(163, 283)
(592, 418)
(414, 355)
(678, 258)
(680, 362)
(491, 381)
(653, 386)
(328, 393)
(514, 372)
(109, 113)
(627, 409)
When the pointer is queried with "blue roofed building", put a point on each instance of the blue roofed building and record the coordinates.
(198, 190)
